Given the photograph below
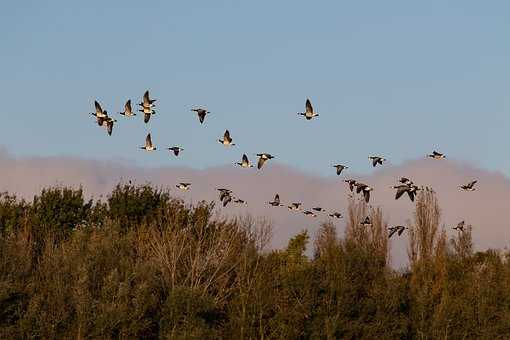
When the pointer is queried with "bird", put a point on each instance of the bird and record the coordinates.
(335, 214)
(276, 201)
(399, 229)
(319, 209)
(469, 186)
(340, 168)
(109, 125)
(366, 222)
(405, 180)
(365, 189)
(309, 213)
(402, 189)
(263, 157)
(148, 144)
(227, 140)
(460, 226)
(227, 198)
(351, 182)
(295, 206)
(201, 114)
(128, 111)
(147, 112)
(309, 114)
(436, 155)
(245, 163)
(146, 101)
(183, 186)
(224, 193)
(240, 201)
(176, 150)
(377, 160)
(99, 111)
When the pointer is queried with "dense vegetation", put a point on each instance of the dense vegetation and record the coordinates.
(144, 265)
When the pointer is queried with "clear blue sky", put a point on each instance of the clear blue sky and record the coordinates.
(397, 78)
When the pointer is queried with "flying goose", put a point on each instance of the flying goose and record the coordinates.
(227, 198)
(436, 155)
(240, 201)
(276, 201)
(460, 226)
(109, 125)
(340, 168)
(366, 222)
(201, 114)
(351, 182)
(147, 112)
(377, 160)
(402, 189)
(227, 140)
(183, 186)
(263, 157)
(309, 213)
(362, 187)
(295, 206)
(469, 186)
(319, 209)
(128, 111)
(245, 163)
(148, 144)
(224, 193)
(146, 101)
(335, 214)
(399, 229)
(176, 150)
(309, 114)
(99, 111)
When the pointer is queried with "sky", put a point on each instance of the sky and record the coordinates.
(395, 78)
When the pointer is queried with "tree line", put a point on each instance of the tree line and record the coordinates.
(142, 264)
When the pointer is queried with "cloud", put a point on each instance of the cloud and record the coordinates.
(484, 208)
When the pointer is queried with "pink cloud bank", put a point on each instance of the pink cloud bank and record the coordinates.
(484, 208)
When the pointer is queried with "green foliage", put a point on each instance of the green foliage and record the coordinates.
(144, 265)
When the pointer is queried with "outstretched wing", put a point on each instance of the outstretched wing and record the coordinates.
(366, 194)
(392, 231)
(245, 159)
(400, 192)
(277, 199)
(308, 106)
(411, 195)
(374, 162)
(127, 107)
(146, 99)
(226, 135)
(261, 162)
(109, 127)
(99, 110)
(148, 141)
(146, 117)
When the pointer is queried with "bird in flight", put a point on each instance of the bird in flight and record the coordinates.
(276, 201)
(183, 186)
(147, 102)
(128, 111)
(309, 113)
(365, 189)
(469, 186)
(99, 113)
(460, 226)
(436, 155)
(351, 183)
(309, 213)
(399, 229)
(294, 206)
(263, 157)
(227, 140)
(340, 168)
(240, 201)
(245, 163)
(176, 150)
(319, 209)
(402, 189)
(377, 160)
(366, 222)
(201, 114)
(336, 215)
(148, 144)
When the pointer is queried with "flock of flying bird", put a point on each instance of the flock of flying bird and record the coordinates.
(226, 195)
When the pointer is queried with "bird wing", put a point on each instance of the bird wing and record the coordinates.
(392, 231)
(435, 153)
(146, 99)
(338, 170)
(472, 183)
(245, 159)
(277, 199)
(411, 195)
(146, 117)
(308, 106)
(261, 162)
(99, 110)
(109, 127)
(226, 136)
(374, 161)
(366, 194)
(201, 116)
(148, 141)
(400, 192)
(127, 107)
(176, 151)
(401, 230)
